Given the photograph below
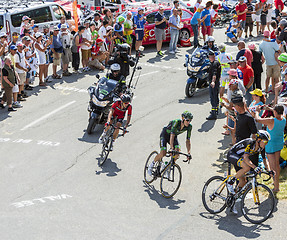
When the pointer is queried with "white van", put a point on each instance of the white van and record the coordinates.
(41, 13)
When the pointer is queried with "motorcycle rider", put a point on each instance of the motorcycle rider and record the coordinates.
(210, 45)
(213, 77)
(115, 74)
(123, 58)
(118, 112)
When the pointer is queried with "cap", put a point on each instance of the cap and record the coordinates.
(99, 40)
(237, 99)
(257, 92)
(251, 46)
(25, 18)
(242, 59)
(38, 34)
(235, 16)
(13, 47)
(266, 33)
(140, 9)
(35, 26)
(55, 28)
(283, 22)
(232, 72)
(129, 13)
(64, 26)
(232, 61)
(27, 38)
(233, 82)
(2, 34)
(46, 26)
(19, 44)
(283, 57)
(211, 53)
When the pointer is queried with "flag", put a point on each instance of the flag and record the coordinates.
(75, 13)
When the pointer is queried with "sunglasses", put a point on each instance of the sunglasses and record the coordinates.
(188, 120)
(265, 141)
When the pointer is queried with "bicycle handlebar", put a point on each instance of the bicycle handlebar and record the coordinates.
(254, 174)
(174, 152)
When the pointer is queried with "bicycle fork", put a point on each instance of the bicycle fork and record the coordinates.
(255, 192)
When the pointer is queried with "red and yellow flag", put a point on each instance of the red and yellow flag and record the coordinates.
(75, 14)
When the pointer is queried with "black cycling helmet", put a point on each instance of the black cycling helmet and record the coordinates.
(263, 135)
(126, 98)
(187, 115)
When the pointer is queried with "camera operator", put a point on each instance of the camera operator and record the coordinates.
(116, 74)
(66, 39)
(123, 58)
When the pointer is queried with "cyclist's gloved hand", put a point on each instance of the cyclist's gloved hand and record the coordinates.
(189, 157)
(107, 124)
(272, 173)
(257, 169)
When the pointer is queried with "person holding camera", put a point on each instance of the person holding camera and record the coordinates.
(66, 40)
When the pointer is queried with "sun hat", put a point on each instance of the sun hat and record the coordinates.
(3, 34)
(257, 92)
(232, 72)
(25, 18)
(251, 46)
(283, 57)
(38, 34)
(99, 40)
(55, 28)
(64, 26)
(242, 59)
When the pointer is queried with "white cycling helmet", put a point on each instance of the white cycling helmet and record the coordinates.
(115, 67)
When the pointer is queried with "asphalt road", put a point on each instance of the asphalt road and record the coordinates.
(52, 187)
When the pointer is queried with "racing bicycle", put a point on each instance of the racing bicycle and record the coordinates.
(168, 172)
(257, 200)
(107, 143)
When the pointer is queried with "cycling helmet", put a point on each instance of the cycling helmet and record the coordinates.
(126, 98)
(187, 115)
(264, 135)
(115, 67)
(222, 47)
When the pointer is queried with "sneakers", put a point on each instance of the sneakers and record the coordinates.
(112, 146)
(150, 167)
(48, 80)
(171, 52)
(11, 109)
(67, 74)
(20, 98)
(16, 105)
(160, 53)
(102, 137)
(2, 105)
(28, 87)
(177, 51)
(229, 186)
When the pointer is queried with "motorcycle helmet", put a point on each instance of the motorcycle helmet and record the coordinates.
(222, 47)
(126, 98)
(124, 48)
(187, 115)
(210, 39)
(263, 135)
(115, 67)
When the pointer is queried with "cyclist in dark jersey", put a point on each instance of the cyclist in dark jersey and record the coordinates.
(244, 156)
(169, 135)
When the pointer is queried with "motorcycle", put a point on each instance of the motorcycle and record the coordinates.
(197, 69)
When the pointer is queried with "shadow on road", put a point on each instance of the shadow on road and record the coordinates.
(109, 168)
(235, 226)
(206, 126)
(160, 200)
(94, 137)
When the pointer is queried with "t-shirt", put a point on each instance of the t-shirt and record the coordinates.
(158, 18)
(196, 16)
(247, 74)
(245, 126)
(102, 32)
(20, 58)
(239, 92)
(223, 59)
(257, 62)
(247, 53)
(241, 8)
(208, 18)
(139, 23)
(273, 35)
(175, 20)
(128, 24)
(283, 35)
(213, 15)
(87, 35)
(250, 9)
(269, 49)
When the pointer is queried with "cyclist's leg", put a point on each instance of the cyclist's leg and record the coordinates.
(176, 148)
(240, 174)
(118, 125)
(163, 145)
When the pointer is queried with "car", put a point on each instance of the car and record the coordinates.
(149, 34)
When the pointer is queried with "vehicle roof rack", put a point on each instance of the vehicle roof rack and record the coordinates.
(8, 4)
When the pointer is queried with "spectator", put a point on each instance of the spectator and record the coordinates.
(128, 30)
(249, 20)
(97, 21)
(108, 17)
(66, 39)
(271, 53)
(76, 45)
(269, 4)
(283, 34)
(86, 48)
(257, 16)
(241, 10)
(48, 53)
(174, 21)
(21, 68)
(35, 29)
(263, 17)
(9, 81)
(279, 5)
(3, 47)
(15, 38)
(282, 59)
(248, 77)
(214, 77)
(30, 56)
(41, 50)
(98, 56)
(57, 49)
(160, 25)
(273, 33)
(110, 39)
(26, 25)
(258, 99)
(119, 31)
(195, 23)
(63, 21)
(233, 29)
(214, 16)
(275, 126)
(258, 60)
(234, 65)
(103, 31)
(94, 32)
(139, 22)
(175, 5)
(206, 24)
(244, 52)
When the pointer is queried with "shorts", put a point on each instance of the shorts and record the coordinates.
(159, 34)
(256, 18)
(164, 140)
(224, 80)
(237, 160)
(207, 31)
(249, 23)
(57, 61)
(28, 75)
(15, 89)
(129, 39)
(139, 35)
(230, 35)
(242, 25)
(273, 71)
(86, 54)
(269, 15)
(22, 77)
(67, 56)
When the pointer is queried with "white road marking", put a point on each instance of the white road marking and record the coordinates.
(149, 73)
(47, 115)
(26, 141)
(40, 200)
(164, 67)
(72, 89)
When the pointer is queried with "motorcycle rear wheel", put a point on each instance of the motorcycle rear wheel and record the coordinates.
(190, 89)
(91, 126)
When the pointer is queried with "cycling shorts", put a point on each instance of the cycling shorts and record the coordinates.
(164, 139)
(224, 80)
(236, 160)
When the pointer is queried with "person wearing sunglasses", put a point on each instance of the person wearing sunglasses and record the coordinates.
(169, 135)
(244, 155)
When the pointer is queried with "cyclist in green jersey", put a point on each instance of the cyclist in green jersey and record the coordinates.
(169, 135)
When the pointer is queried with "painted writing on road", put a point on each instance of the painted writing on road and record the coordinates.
(26, 141)
(72, 89)
(35, 201)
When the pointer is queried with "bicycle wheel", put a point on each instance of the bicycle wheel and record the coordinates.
(150, 178)
(170, 180)
(105, 150)
(260, 210)
(214, 194)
